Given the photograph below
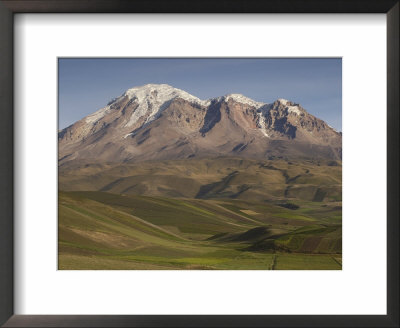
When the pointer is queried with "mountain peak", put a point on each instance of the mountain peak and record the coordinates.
(149, 122)
(288, 105)
(149, 88)
(152, 99)
(162, 91)
(283, 101)
(237, 97)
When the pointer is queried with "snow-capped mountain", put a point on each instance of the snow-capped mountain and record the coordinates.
(157, 121)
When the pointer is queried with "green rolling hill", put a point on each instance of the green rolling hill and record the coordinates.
(104, 230)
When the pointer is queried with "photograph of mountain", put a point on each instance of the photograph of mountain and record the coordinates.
(199, 164)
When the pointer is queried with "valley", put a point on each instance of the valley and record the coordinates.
(276, 214)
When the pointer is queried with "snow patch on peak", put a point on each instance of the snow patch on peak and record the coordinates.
(290, 106)
(262, 125)
(294, 109)
(283, 101)
(160, 92)
(243, 100)
(152, 98)
(93, 118)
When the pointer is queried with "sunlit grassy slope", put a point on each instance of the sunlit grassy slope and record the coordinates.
(103, 230)
(217, 178)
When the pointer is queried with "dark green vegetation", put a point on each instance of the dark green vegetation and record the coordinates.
(203, 214)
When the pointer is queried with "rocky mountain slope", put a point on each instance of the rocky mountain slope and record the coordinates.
(159, 122)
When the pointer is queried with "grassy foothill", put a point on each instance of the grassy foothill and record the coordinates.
(120, 231)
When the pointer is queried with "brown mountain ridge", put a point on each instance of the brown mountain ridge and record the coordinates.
(159, 122)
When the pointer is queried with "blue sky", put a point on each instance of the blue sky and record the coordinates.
(86, 85)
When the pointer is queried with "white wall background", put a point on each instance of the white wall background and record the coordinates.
(360, 288)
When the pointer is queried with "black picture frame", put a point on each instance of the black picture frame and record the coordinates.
(10, 7)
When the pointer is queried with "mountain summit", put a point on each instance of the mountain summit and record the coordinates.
(159, 122)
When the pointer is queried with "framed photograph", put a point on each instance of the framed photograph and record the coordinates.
(159, 179)
(208, 164)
